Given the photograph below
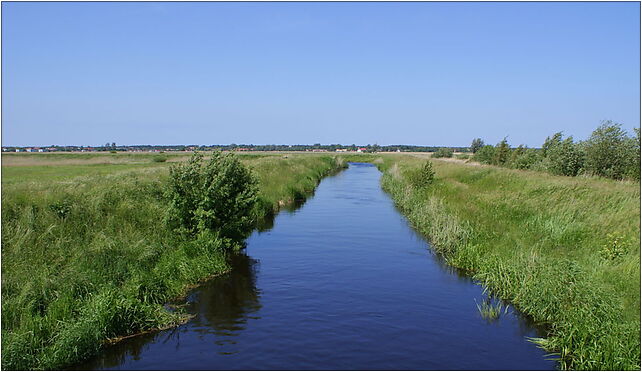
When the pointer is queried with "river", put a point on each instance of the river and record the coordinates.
(342, 283)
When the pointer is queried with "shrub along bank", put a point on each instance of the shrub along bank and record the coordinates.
(94, 258)
(609, 152)
(564, 250)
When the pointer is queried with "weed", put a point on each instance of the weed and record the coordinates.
(489, 310)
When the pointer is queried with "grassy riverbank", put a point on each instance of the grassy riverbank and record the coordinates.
(564, 250)
(86, 258)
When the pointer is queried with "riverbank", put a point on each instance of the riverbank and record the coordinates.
(89, 258)
(563, 250)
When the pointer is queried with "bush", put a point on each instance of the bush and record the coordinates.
(217, 196)
(565, 158)
(463, 156)
(610, 152)
(634, 166)
(443, 152)
(525, 159)
(485, 154)
(502, 153)
(423, 176)
(159, 159)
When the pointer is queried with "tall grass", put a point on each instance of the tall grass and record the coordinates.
(87, 259)
(544, 243)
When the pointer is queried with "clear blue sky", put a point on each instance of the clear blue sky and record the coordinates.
(263, 73)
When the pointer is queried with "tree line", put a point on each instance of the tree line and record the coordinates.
(609, 152)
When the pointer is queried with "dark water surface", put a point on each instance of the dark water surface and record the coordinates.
(342, 283)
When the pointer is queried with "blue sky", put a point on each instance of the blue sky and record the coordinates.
(262, 73)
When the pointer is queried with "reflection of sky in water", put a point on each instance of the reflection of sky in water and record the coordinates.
(344, 283)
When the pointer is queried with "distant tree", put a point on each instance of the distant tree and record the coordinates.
(609, 151)
(550, 142)
(113, 144)
(477, 144)
(502, 153)
(485, 155)
(515, 154)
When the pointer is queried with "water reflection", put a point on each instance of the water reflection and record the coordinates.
(225, 304)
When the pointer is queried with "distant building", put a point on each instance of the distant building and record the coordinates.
(341, 150)
(361, 149)
(319, 150)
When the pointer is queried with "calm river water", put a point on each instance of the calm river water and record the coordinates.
(341, 283)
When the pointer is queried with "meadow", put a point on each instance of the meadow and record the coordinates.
(87, 255)
(564, 250)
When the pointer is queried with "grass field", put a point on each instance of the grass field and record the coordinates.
(565, 250)
(87, 256)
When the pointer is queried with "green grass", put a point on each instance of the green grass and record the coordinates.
(20, 174)
(87, 257)
(564, 250)
(489, 310)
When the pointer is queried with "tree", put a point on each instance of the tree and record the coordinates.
(550, 142)
(476, 145)
(502, 153)
(609, 151)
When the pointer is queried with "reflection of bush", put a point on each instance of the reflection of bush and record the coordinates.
(226, 302)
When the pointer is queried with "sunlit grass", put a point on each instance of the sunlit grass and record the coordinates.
(565, 250)
(86, 254)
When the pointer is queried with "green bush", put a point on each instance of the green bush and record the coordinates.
(463, 156)
(443, 152)
(525, 159)
(610, 152)
(485, 155)
(422, 177)
(502, 153)
(159, 158)
(217, 196)
(565, 157)
(634, 163)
